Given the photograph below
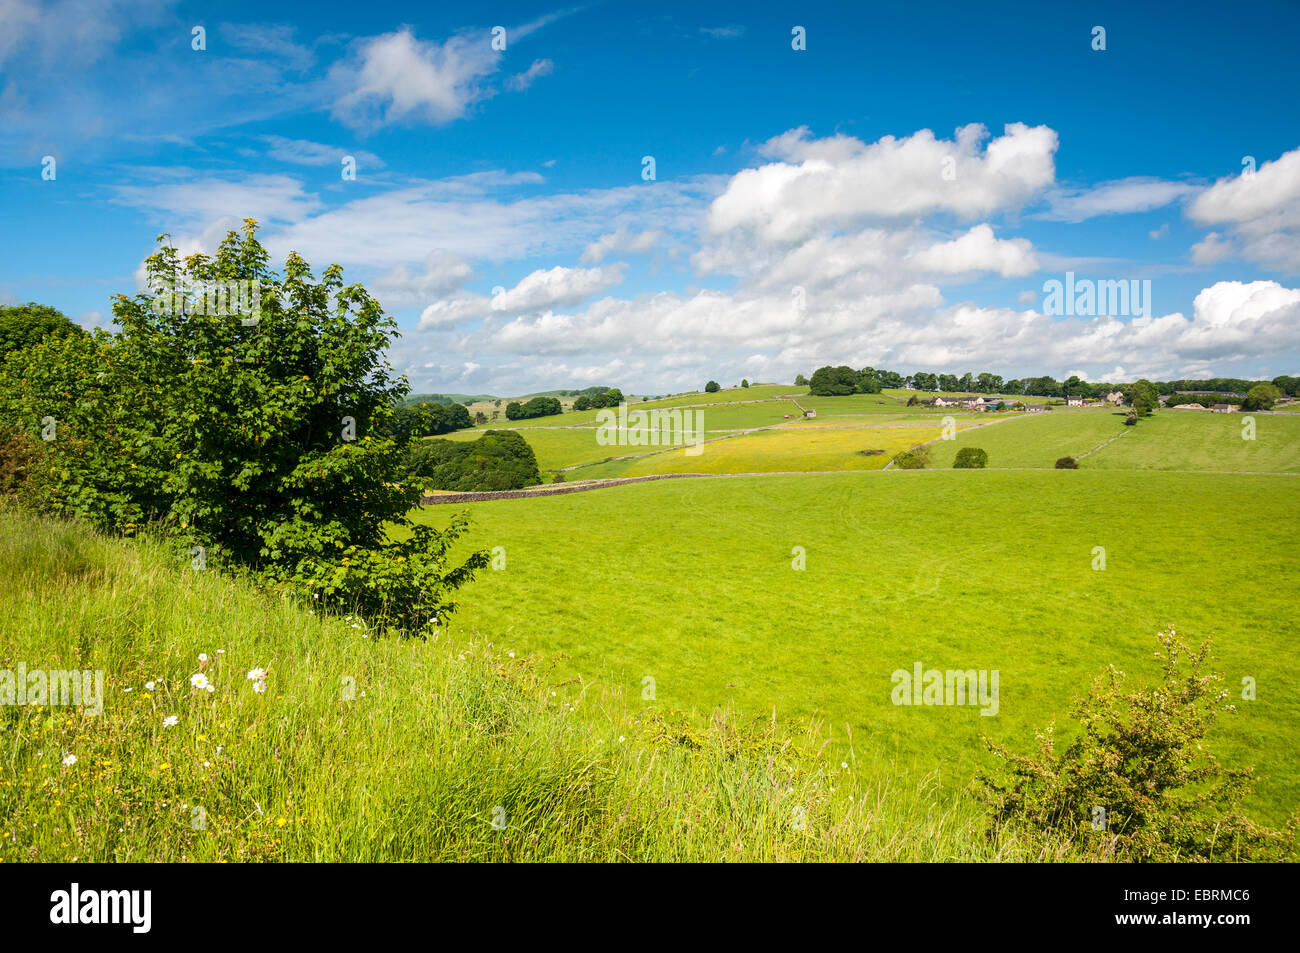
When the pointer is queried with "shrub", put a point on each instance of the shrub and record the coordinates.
(970, 458)
(918, 458)
(1131, 418)
(267, 443)
(1140, 761)
(711, 387)
(23, 325)
(1067, 463)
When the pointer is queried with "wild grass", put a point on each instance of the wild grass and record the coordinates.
(372, 749)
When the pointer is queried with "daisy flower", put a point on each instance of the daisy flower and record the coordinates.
(203, 656)
(170, 721)
(70, 760)
(211, 687)
(259, 687)
(148, 686)
(256, 674)
(199, 680)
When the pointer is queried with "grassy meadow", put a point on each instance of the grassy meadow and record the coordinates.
(692, 583)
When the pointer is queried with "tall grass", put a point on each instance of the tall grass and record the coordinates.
(371, 749)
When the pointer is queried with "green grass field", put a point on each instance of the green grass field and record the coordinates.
(691, 583)
(1167, 440)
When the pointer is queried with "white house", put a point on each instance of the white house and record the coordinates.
(1115, 398)
(1075, 401)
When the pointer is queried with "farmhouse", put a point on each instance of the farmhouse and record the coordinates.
(810, 413)
(1074, 401)
(947, 402)
(1224, 408)
(1114, 398)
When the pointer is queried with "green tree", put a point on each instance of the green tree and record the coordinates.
(1142, 396)
(833, 381)
(800, 381)
(1261, 397)
(267, 443)
(23, 325)
(970, 458)
(744, 382)
(711, 387)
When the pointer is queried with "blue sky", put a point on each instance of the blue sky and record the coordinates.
(895, 194)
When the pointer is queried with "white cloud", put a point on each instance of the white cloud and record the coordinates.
(556, 288)
(521, 81)
(1260, 210)
(624, 240)
(397, 78)
(403, 287)
(1211, 249)
(1123, 196)
(306, 152)
(979, 250)
(841, 181)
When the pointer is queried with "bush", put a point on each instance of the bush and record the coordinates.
(23, 325)
(712, 387)
(1131, 418)
(970, 458)
(267, 444)
(1067, 463)
(918, 458)
(1140, 761)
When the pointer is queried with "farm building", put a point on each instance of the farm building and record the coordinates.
(1224, 408)
(1075, 401)
(1115, 398)
(810, 413)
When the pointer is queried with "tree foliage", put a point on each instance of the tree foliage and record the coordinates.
(264, 440)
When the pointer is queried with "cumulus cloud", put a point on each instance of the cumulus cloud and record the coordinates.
(979, 250)
(556, 288)
(1259, 210)
(841, 181)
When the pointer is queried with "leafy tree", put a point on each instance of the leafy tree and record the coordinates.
(498, 460)
(711, 387)
(1142, 396)
(23, 325)
(925, 381)
(1261, 397)
(744, 382)
(833, 381)
(582, 403)
(868, 381)
(265, 443)
(890, 378)
(800, 381)
(1140, 759)
(970, 458)
(535, 407)
(608, 398)
(1288, 385)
